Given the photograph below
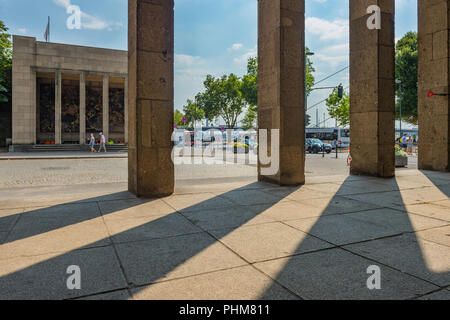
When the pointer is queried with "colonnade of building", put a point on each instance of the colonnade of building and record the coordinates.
(281, 103)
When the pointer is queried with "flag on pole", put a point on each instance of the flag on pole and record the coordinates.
(47, 31)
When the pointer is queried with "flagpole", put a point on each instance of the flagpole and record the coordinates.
(48, 39)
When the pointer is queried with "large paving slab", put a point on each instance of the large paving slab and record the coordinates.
(146, 262)
(3, 236)
(350, 187)
(199, 201)
(137, 229)
(244, 283)
(402, 197)
(436, 210)
(268, 241)
(424, 259)
(337, 274)
(45, 277)
(50, 195)
(438, 235)
(230, 217)
(339, 205)
(397, 221)
(252, 197)
(342, 229)
(37, 236)
(8, 218)
(134, 208)
(288, 210)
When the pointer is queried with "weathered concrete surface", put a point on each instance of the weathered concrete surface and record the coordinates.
(150, 97)
(281, 47)
(434, 69)
(372, 98)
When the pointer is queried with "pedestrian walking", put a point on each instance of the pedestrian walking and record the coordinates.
(92, 143)
(410, 145)
(102, 142)
(404, 142)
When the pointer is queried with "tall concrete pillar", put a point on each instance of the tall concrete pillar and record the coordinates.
(372, 90)
(150, 96)
(58, 97)
(281, 103)
(126, 110)
(23, 91)
(82, 108)
(434, 75)
(106, 107)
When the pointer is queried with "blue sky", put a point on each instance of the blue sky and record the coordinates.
(211, 36)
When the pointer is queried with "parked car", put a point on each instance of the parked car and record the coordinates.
(316, 146)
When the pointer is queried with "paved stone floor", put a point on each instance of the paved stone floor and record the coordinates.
(73, 168)
(230, 238)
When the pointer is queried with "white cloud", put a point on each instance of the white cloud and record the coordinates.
(334, 56)
(236, 46)
(22, 31)
(90, 22)
(328, 30)
(248, 54)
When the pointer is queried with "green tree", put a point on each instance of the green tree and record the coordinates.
(250, 88)
(406, 62)
(178, 118)
(250, 84)
(310, 79)
(339, 108)
(209, 100)
(5, 63)
(222, 98)
(192, 113)
(249, 121)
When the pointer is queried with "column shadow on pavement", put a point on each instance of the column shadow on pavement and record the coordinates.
(384, 237)
(156, 249)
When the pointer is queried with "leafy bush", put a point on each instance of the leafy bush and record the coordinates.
(399, 152)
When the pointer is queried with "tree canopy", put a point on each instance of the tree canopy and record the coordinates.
(193, 114)
(222, 98)
(5, 63)
(339, 108)
(228, 96)
(406, 64)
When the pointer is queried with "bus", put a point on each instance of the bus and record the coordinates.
(330, 135)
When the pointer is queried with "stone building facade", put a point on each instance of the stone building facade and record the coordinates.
(62, 93)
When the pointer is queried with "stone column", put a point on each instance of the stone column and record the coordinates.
(106, 107)
(82, 108)
(372, 90)
(281, 103)
(23, 91)
(150, 97)
(126, 110)
(58, 94)
(434, 75)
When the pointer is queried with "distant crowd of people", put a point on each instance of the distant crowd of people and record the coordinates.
(407, 143)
